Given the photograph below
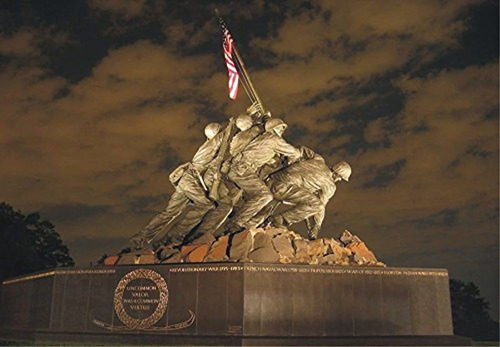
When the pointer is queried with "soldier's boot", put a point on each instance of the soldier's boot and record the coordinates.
(165, 252)
(137, 241)
(172, 241)
(312, 234)
(233, 228)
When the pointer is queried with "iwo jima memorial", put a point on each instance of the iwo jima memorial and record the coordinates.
(221, 264)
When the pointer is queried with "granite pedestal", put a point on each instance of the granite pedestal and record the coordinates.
(231, 304)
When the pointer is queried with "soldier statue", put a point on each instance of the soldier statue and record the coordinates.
(241, 174)
(247, 173)
(189, 189)
(246, 165)
(308, 185)
(228, 194)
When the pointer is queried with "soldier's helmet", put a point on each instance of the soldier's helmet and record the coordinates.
(244, 122)
(275, 124)
(211, 130)
(343, 169)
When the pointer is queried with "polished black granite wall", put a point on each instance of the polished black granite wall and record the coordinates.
(234, 300)
(317, 301)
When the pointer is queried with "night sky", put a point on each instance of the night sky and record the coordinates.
(101, 99)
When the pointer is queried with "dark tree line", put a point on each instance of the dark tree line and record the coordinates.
(29, 244)
(470, 312)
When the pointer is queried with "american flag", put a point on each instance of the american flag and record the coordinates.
(233, 74)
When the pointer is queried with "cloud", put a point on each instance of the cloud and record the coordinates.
(72, 212)
(126, 8)
(425, 22)
(90, 249)
(104, 140)
(20, 44)
(189, 35)
(385, 174)
(339, 43)
(443, 117)
(345, 29)
(28, 45)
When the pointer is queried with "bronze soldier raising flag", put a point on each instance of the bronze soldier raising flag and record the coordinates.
(242, 173)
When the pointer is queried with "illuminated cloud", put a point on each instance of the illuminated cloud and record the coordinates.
(20, 44)
(108, 133)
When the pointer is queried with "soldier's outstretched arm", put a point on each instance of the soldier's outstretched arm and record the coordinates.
(319, 217)
(324, 195)
(316, 225)
(284, 148)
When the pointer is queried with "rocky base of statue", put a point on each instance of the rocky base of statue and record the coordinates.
(269, 245)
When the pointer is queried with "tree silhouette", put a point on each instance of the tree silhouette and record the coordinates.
(470, 312)
(29, 244)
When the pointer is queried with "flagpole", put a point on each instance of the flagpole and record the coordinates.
(244, 82)
(247, 79)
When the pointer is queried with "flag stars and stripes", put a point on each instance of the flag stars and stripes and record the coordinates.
(233, 74)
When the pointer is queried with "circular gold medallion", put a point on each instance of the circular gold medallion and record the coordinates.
(139, 293)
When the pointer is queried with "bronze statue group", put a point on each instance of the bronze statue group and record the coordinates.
(238, 178)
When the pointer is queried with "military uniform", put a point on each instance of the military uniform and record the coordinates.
(242, 139)
(227, 192)
(244, 172)
(308, 185)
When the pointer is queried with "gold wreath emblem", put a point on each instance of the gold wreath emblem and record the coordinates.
(135, 323)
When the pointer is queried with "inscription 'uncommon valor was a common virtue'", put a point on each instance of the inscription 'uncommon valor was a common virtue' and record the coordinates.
(140, 301)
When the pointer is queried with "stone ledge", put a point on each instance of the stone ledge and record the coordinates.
(149, 339)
